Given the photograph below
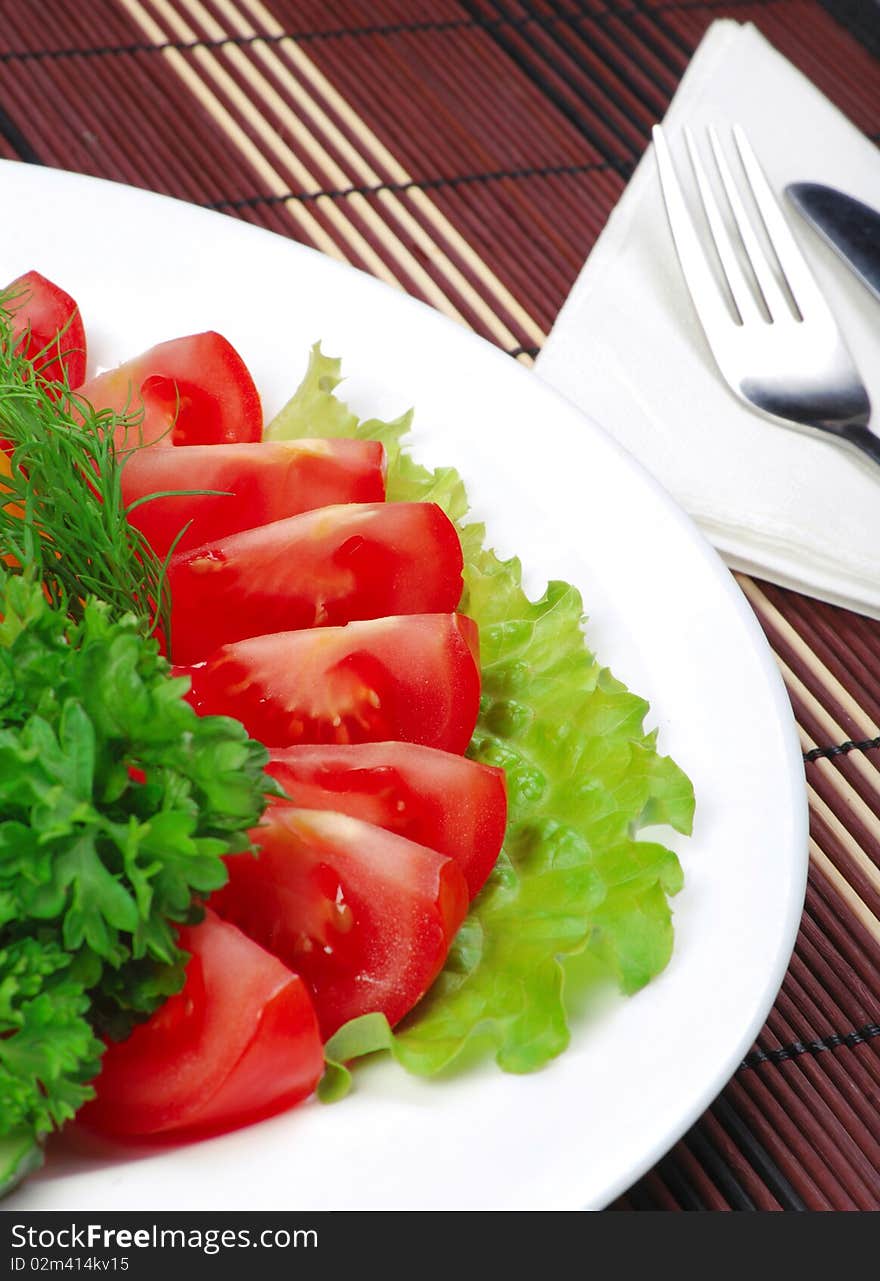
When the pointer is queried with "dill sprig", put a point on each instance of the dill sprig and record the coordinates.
(62, 515)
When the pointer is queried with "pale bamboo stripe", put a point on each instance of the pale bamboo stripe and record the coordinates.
(843, 888)
(337, 177)
(826, 678)
(847, 840)
(312, 229)
(835, 733)
(382, 156)
(853, 802)
(392, 237)
(303, 177)
(283, 155)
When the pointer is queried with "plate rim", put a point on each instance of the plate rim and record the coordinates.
(783, 716)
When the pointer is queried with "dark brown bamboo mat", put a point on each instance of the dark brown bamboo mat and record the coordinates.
(470, 151)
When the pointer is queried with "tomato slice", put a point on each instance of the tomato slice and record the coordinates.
(192, 391)
(258, 483)
(238, 1043)
(413, 678)
(449, 803)
(322, 568)
(49, 329)
(366, 917)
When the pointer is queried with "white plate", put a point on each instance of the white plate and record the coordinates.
(665, 614)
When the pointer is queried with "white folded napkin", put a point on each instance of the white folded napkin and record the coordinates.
(628, 349)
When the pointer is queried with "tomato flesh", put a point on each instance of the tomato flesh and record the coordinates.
(258, 483)
(240, 1042)
(48, 329)
(364, 916)
(319, 569)
(446, 802)
(191, 391)
(414, 678)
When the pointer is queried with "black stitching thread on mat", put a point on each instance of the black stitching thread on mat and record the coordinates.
(757, 1155)
(239, 42)
(836, 1041)
(16, 138)
(522, 351)
(841, 749)
(338, 33)
(414, 184)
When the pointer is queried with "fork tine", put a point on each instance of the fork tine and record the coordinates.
(801, 280)
(736, 280)
(701, 284)
(773, 296)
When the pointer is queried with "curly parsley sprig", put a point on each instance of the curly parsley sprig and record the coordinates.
(117, 803)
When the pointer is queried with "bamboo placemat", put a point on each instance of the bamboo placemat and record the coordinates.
(470, 151)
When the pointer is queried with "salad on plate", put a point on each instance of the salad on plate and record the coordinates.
(292, 770)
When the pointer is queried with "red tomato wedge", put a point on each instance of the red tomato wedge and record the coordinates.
(364, 916)
(414, 678)
(238, 1043)
(323, 568)
(192, 391)
(455, 806)
(48, 325)
(259, 483)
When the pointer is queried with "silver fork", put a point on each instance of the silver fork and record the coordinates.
(790, 364)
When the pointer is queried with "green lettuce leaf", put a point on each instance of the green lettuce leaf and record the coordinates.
(576, 897)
